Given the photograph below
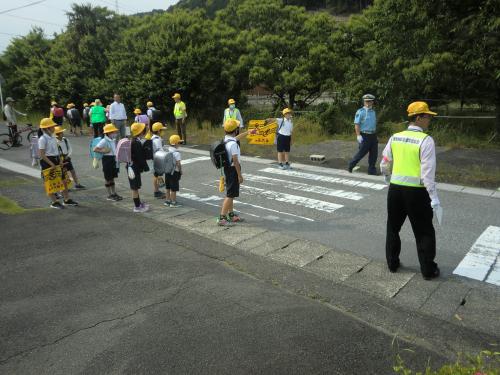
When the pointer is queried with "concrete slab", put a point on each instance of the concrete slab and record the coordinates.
(188, 220)
(299, 253)
(376, 279)
(264, 243)
(445, 301)
(337, 266)
(481, 309)
(238, 233)
(208, 227)
(496, 194)
(416, 292)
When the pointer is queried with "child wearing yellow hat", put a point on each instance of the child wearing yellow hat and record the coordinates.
(65, 151)
(49, 158)
(172, 179)
(157, 140)
(139, 164)
(110, 168)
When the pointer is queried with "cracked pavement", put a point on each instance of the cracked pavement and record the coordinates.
(87, 291)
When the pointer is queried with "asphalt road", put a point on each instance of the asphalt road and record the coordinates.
(94, 290)
(346, 212)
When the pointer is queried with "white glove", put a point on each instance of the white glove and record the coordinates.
(131, 174)
(387, 179)
(360, 138)
(438, 213)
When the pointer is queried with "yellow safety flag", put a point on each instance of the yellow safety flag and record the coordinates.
(53, 179)
(266, 132)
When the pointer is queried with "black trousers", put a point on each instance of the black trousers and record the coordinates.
(415, 203)
(368, 146)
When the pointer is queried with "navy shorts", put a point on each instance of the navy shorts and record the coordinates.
(283, 143)
(232, 183)
(172, 181)
(109, 167)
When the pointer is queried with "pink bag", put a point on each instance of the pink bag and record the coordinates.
(124, 151)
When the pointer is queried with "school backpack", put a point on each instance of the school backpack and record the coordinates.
(164, 162)
(75, 114)
(218, 154)
(93, 144)
(155, 115)
(124, 151)
(144, 119)
(58, 112)
(147, 147)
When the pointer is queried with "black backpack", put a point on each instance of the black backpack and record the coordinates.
(148, 149)
(219, 155)
(155, 115)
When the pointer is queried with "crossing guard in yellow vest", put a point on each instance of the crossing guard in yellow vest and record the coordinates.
(232, 113)
(180, 115)
(409, 163)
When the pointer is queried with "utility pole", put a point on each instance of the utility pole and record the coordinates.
(116, 6)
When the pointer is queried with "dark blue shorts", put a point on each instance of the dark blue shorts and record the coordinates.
(283, 143)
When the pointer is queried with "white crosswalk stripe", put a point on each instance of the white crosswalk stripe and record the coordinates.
(194, 160)
(303, 187)
(292, 199)
(482, 261)
(322, 178)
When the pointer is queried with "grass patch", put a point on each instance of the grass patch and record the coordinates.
(474, 175)
(9, 207)
(485, 363)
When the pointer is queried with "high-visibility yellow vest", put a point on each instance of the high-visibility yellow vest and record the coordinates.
(228, 115)
(179, 110)
(405, 148)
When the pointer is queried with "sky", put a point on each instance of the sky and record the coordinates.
(50, 14)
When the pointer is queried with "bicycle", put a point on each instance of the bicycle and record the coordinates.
(7, 141)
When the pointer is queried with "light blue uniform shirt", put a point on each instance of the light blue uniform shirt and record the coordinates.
(366, 119)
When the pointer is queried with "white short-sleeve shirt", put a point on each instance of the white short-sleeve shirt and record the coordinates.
(286, 126)
(232, 148)
(107, 142)
(177, 156)
(157, 143)
(49, 144)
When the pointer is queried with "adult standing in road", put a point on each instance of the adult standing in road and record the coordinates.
(411, 155)
(232, 113)
(180, 115)
(11, 117)
(365, 125)
(98, 118)
(118, 116)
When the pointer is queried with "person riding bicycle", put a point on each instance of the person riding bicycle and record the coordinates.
(10, 116)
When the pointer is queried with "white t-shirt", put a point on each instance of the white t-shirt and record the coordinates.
(176, 154)
(232, 148)
(157, 143)
(49, 144)
(65, 146)
(286, 127)
(107, 142)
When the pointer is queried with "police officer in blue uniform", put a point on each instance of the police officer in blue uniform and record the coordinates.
(365, 124)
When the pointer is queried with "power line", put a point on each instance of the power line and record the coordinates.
(34, 20)
(23, 6)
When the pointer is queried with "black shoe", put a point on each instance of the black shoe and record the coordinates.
(393, 269)
(432, 275)
(79, 186)
(349, 169)
(160, 195)
(17, 145)
(117, 197)
(70, 202)
(57, 205)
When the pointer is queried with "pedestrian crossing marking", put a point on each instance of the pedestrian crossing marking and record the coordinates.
(304, 187)
(481, 262)
(292, 199)
(213, 198)
(322, 178)
(194, 160)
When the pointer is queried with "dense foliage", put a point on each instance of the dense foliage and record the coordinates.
(396, 49)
